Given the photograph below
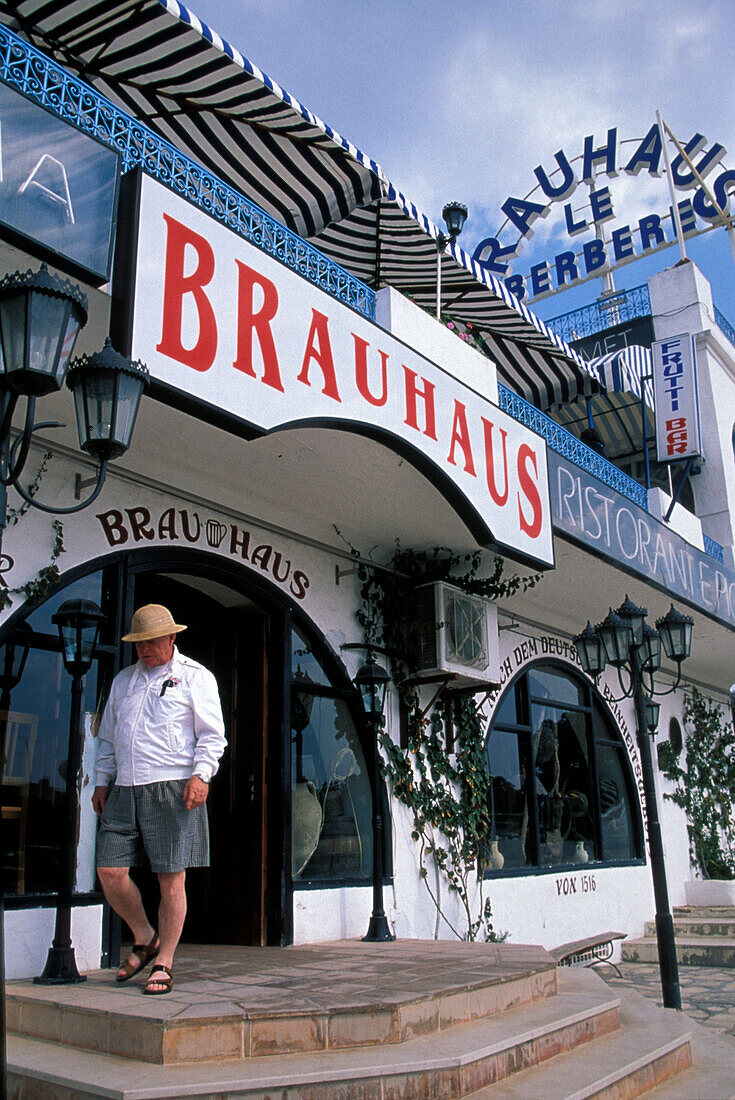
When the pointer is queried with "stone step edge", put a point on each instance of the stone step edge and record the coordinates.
(717, 930)
(615, 1060)
(528, 1045)
(169, 1040)
(684, 941)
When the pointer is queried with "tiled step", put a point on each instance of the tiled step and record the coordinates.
(705, 912)
(181, 1027)
(643, 1054)
(690, 951)
(695, 925)
(451, 1063)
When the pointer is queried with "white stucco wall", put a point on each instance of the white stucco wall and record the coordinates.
(547, 908)
(29, 932)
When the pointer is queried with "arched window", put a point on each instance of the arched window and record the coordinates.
(562, 790)
(34, 732)
(331, 800)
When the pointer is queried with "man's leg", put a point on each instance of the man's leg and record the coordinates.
(171, 915)
(124, 897)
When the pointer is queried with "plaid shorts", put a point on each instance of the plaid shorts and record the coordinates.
(151, 820)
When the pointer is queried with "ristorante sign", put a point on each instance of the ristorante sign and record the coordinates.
(601, 520)
(227, 325)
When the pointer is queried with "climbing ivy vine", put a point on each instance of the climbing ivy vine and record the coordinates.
(447, 794)
(705, 785)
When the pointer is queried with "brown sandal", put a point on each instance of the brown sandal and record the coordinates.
(167, 983)
(145, 952)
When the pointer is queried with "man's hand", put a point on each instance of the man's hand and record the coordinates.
(195, 792)
(99, 798)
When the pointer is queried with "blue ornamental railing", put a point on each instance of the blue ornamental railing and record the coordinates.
(26, 69)
(724, 325)
(613, 309)
(567, 445)
(564, 443)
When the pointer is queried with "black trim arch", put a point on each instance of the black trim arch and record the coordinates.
(543, 804)
(128, 563)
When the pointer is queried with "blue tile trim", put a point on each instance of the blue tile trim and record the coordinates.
(28, 71)
(567, 445)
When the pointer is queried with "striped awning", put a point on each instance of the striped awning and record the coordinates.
(617, 411)
(161, 64)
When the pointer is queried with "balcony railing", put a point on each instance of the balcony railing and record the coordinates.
(724, 326)
(610, 310)
(40, 79)
(564, 443)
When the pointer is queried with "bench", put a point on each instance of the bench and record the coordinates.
(589, 951)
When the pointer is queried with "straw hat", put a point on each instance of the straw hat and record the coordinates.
(152, 621)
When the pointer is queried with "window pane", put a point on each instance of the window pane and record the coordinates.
(332, 806)
(618, 833)
(304, 665)
(564, 786)
(507, 712)
(36, 735)
(548, 684)
(86, 588)
(508, 804)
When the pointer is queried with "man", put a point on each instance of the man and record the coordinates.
(160, 741)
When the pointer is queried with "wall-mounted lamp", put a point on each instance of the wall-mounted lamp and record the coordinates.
(455, 215)
(40, 318)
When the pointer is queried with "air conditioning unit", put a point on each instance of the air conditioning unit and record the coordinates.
(458, 637)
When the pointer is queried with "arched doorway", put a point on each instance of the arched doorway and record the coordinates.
(290, 711)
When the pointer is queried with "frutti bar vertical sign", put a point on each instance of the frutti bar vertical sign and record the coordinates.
(674, 367)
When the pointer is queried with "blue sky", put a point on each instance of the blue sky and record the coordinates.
(463, 100)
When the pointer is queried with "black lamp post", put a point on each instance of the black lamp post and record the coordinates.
(79, 624)
(372, 681)
(625, 640)
(455, 215)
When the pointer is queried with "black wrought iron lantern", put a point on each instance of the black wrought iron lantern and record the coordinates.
(107, 390)
(17, 649)
(650, 649)
(617, 636)
(455, 215)
(652, 712)
(635, 617)
(591, 651)
(372, 681)
(676, 634)
(40, 318)
(79, 625)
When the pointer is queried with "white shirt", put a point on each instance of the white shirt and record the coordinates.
(159, 724)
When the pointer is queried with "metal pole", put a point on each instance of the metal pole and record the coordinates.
(378, 930)
(672, 193)
(439, 251)
(668, 966)
(61, 964)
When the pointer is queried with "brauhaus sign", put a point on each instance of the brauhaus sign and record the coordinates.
(226, 324)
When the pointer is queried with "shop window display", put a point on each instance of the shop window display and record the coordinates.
(35, 738)
(562, 791)
(331, 801)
